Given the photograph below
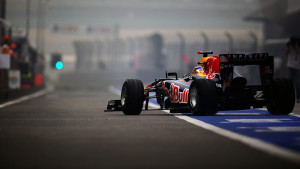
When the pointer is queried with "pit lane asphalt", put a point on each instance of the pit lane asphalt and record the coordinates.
(68, 128)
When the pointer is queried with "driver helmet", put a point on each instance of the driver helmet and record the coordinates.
(196, 70)
(200, 70)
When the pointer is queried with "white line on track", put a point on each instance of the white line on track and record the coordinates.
(294, 114)
(252, 142)
(28, 97)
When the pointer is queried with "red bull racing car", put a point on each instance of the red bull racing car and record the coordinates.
(211, 87)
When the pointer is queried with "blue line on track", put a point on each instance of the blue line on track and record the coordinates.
(282, 130)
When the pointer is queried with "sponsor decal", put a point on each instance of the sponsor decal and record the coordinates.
(238, 57)
(251, 57)
(76, 28)
(242, 57)
(175, 95)
(210, 76)
(223, 58)
(211, 72)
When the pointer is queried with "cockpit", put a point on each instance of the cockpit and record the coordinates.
(200, 70)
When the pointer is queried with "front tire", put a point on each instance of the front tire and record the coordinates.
(132, 97)
(281, 97)
(203, 97)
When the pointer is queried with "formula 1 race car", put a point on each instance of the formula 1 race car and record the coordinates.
(211, 87)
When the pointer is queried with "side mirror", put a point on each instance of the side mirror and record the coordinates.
(172, 74)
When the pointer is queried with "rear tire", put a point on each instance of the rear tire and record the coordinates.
(132, 97)
(203, 97)
(281, 97)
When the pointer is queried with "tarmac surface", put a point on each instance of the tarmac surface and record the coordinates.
(68, 128)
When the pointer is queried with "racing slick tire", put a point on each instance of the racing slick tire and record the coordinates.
(281, 97)
(132, 97)
(203, 97)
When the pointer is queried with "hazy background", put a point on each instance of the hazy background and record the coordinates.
(153, 36)
(134, 17)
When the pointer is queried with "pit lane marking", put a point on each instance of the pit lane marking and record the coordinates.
(252, 142)
(28, 97)
(256, 120)
(279, 129)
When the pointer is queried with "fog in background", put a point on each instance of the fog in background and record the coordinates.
(146, 38)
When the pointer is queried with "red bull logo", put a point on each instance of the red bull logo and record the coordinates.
(175, 95)
(212, 67)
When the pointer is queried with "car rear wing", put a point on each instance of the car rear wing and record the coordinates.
(263, 60)
(247, 59)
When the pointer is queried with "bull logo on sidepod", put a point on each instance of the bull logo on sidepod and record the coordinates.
(175, 95)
